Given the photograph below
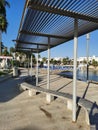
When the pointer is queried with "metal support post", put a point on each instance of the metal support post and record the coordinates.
(75, 69)
(31, 64)
(28, 64)
(87, 51)
(48, 67)
(37, 70)
(49, 98)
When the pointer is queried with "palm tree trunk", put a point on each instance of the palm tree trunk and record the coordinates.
(0, 41)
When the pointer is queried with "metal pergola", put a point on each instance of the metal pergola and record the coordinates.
(48, 23)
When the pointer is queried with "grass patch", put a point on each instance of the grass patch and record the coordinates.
(2, 73)
(5, 72)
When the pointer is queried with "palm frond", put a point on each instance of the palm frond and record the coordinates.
(4, 3)
(3, 23)
(3, 20)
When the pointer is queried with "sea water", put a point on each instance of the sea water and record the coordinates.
(81, 74)
(92, 75)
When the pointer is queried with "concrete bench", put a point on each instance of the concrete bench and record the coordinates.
(85, 104)
(50, 93)
(27, 78)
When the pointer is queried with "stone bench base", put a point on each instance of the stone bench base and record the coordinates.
(50, 94)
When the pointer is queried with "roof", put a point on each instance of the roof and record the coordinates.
(43, 19)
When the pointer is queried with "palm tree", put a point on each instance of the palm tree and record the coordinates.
(44, 59)
(12, 50)
(3, 20)
(5, 52)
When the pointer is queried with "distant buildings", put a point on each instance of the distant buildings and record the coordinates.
(58, 58)
(80, 60)
(4, 61)
(84, 59)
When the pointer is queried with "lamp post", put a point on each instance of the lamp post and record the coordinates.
(87, 53)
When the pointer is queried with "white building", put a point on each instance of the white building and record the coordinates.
(82, 59)
(4, 61)
(58, 58)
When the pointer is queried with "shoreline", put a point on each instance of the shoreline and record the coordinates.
(91, 68)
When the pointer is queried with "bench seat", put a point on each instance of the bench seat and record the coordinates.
(85, 104)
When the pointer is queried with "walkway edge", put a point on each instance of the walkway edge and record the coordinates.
(5, 77)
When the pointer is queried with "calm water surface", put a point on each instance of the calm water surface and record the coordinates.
(93, 75)
(81, 74)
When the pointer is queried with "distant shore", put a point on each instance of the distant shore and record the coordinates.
(94, 68)
(91, 68)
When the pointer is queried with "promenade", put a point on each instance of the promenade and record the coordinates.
(18, 111)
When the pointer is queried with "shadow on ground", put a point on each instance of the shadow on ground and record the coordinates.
(9, 89)
(94, 116)
(41, 80)
(66, 75)
(29, 128)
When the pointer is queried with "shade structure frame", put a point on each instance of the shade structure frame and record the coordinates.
(75, 70)
(87, 54)
(31, 66)
(55, 19)
(37, 68)
(48, 96)
(48, 65)
(66, 11)
(62, 12)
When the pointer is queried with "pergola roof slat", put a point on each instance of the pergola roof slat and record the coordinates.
(43, 19)
(63, 12)
(30, 43)
(43, 35)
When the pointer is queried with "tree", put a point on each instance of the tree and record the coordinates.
(59, 62)
(5, 52)
(39, 56)
(33, 59)
(52, 61)
(64, 61)
(44, 59)
(55, 62)
(3, 20)
(94, 63)
(84, 61)
(12, 50)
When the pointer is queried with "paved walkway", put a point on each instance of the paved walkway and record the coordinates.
(18, 111)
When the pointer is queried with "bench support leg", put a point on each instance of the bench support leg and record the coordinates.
(31, 92)
(69, 105)
(49, 98)
(87, 118)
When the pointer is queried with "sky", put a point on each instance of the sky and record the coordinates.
(14, 14)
